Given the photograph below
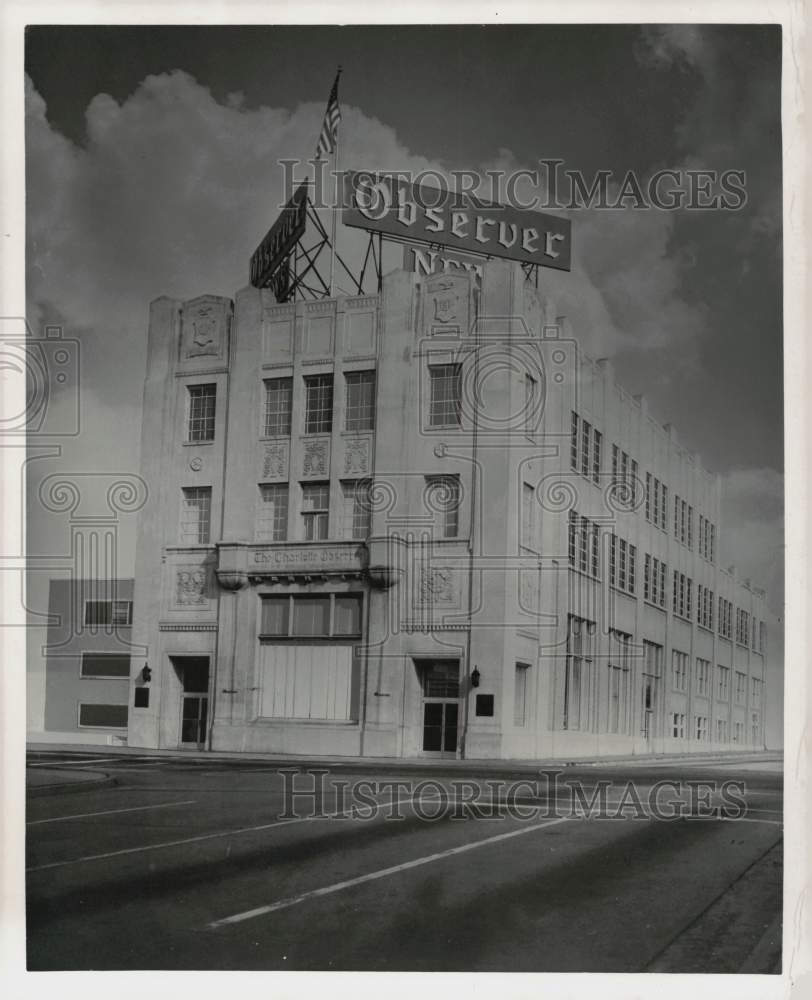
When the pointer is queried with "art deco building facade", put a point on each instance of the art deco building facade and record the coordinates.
(424, 523)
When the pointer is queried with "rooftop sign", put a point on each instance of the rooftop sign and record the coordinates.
(279, 241)
(401, 210)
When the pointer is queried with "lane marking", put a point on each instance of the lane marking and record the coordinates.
(201, 837)
(67, 763)
(110, 812)
(328, 890)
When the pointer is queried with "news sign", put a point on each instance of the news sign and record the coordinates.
(402, 210)
(280, 240)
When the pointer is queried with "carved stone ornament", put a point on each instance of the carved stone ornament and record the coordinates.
(356, 457)
(196, 464)
(436, 585)
(315, 458)
(190, 586)
(203, 336)
(275, 461)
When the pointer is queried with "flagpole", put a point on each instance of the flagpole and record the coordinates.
(334, 224)
(334, 220)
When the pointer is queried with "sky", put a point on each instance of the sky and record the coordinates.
(152, 169)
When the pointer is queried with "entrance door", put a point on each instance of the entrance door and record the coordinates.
(440, 680)
(194, 700)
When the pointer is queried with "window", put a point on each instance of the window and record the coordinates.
(738, 732)
(102, 716)
(721, 730)
(278, 406)
(624, 475)
(443, 498)
(115, 613)
(360, 401)
(683, 521)
(702, 677)
(702, 727)
(678, 725)
(272, 513)
(578, 672)
(585, 448)
(723, 685)
(704, 606)
(105, 665)
(762, 637)
(654, 581)
(622, 557)
(681, 599)
(357, 510)
(296, 615)
(195, 523)
(707, 538)
(446, 391)
(741, 687)
(655, 501)
(742, 626)
(202, 400)
(619, 663)
(679, 670)
(725, 615)
(755, 728)
(520, 694)
(315, 510)
(690, 527)
(528, 529)
(318, 404)
(755, 690)
(583, 543)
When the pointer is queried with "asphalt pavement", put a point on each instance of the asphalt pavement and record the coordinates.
(212, 864)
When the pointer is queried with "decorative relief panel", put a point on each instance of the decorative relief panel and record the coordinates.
(437, 585)
(356, 457)
(316, 461)
(275, 461)
(191, 586)
(447, 305)
(204, 328)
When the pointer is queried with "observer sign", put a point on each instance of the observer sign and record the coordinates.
(415, 213)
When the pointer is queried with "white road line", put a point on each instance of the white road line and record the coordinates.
(201, 837)
(746, 819)
(110, 812)
(327, 890)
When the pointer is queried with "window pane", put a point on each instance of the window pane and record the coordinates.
(105, 665)
(275, 615)
(357, 512)
(278, 403)
(347, 615)
(202, 400)
(98, 612)
(445, 387)
(318, 404)
(196, 515)
(360, 401)
(272, 515)
(311, 615)
(103, 716)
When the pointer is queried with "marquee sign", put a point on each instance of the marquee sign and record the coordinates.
(269, 261)
(401, 210)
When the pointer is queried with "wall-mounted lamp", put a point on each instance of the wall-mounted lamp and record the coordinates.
(475, 677)
(146, 673)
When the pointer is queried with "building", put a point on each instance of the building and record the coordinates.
(87, 660)
(423, 522)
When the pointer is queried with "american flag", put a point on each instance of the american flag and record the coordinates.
(329, 127)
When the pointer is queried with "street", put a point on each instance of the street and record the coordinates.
(202, 864)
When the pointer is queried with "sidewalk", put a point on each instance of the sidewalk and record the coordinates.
(773, 760)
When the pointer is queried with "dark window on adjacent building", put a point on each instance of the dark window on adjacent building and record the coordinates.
(105, 665)
(103, 716)
(108, 612)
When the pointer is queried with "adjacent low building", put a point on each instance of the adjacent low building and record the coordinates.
(424, 523)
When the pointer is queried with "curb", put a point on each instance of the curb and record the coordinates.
(35, 791)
